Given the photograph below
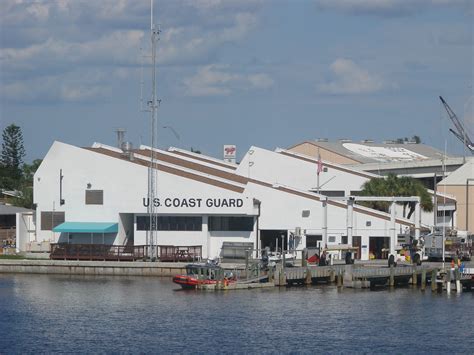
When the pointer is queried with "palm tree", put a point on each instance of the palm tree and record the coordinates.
(392, 185)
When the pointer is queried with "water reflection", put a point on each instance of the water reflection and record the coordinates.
(49, 313)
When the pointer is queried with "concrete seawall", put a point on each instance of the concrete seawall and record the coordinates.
(91, 268)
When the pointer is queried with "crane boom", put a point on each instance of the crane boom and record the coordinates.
(461, 133)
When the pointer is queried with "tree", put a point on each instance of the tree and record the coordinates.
(25, 189)
(395, 186)
(12, 156)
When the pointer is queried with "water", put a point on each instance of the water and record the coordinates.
(51, 313)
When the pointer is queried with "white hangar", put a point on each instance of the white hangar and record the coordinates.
(98, 196)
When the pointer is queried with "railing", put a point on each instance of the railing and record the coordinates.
(7, 233)
(174, 253)
(103, 252)
(63, 251)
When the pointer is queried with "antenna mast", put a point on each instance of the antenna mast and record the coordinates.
(153, 104)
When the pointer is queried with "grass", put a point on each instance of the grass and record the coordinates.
(12, 257)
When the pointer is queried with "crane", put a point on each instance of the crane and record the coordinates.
(460, 132)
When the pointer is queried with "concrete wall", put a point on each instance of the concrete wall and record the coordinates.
(25, 230)
(91, 268)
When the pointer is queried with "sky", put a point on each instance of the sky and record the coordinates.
(245, 72)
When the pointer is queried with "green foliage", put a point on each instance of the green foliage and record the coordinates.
(197, 151)
(25, 189)
(395, 186)
(414, 138)
(14, 175)
(12, 156)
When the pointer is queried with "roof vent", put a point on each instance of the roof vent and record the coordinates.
(127, 149)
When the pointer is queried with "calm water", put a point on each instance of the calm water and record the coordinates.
(46, 313)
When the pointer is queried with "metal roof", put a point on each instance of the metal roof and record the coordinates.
(364, 152)
(460, 176)
(10, 210)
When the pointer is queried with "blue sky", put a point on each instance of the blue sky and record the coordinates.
(247, 72)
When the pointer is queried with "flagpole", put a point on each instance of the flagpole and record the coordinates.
(318, 171)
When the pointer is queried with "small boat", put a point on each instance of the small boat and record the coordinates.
(203, 274)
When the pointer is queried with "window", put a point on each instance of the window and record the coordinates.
(94, 197)
(50, 219)
(344, 239)
(235, 224)
(170, 223)
(443, 213)
(312, 240)
(332, 239)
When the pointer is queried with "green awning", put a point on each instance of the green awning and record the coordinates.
(86, 227)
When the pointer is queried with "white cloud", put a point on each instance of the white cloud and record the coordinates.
(349, 78)
(212, 80)
(390, 8)
(48, 39)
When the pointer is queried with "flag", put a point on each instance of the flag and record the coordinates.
(320, 165)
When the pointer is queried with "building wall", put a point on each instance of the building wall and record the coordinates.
(283, 211)
(312, 150)
(459, 191)
(124, 186)
(281, 169)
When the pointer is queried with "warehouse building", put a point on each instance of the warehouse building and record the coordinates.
(98, 196)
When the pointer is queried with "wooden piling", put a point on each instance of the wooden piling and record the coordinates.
(304, 257)
(391, 282)
(414, 277)
(457, 275)
(448, 281)
(339, 280)
(308, 278)
(423, 280)
(433, 280)
(332, 276)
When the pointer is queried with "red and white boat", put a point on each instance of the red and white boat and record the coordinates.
(202, 274)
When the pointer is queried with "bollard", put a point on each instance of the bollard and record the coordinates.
(392, 276)
(433, 280)
(423, 280)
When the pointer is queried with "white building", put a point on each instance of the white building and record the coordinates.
(99, 195)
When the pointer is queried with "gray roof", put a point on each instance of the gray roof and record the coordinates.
(9, 210)
(364, 152)
(460, 176)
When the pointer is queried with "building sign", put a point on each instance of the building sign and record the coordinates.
(230, 152)
(194, 202)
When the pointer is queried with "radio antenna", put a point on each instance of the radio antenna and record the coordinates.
(153, 105)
